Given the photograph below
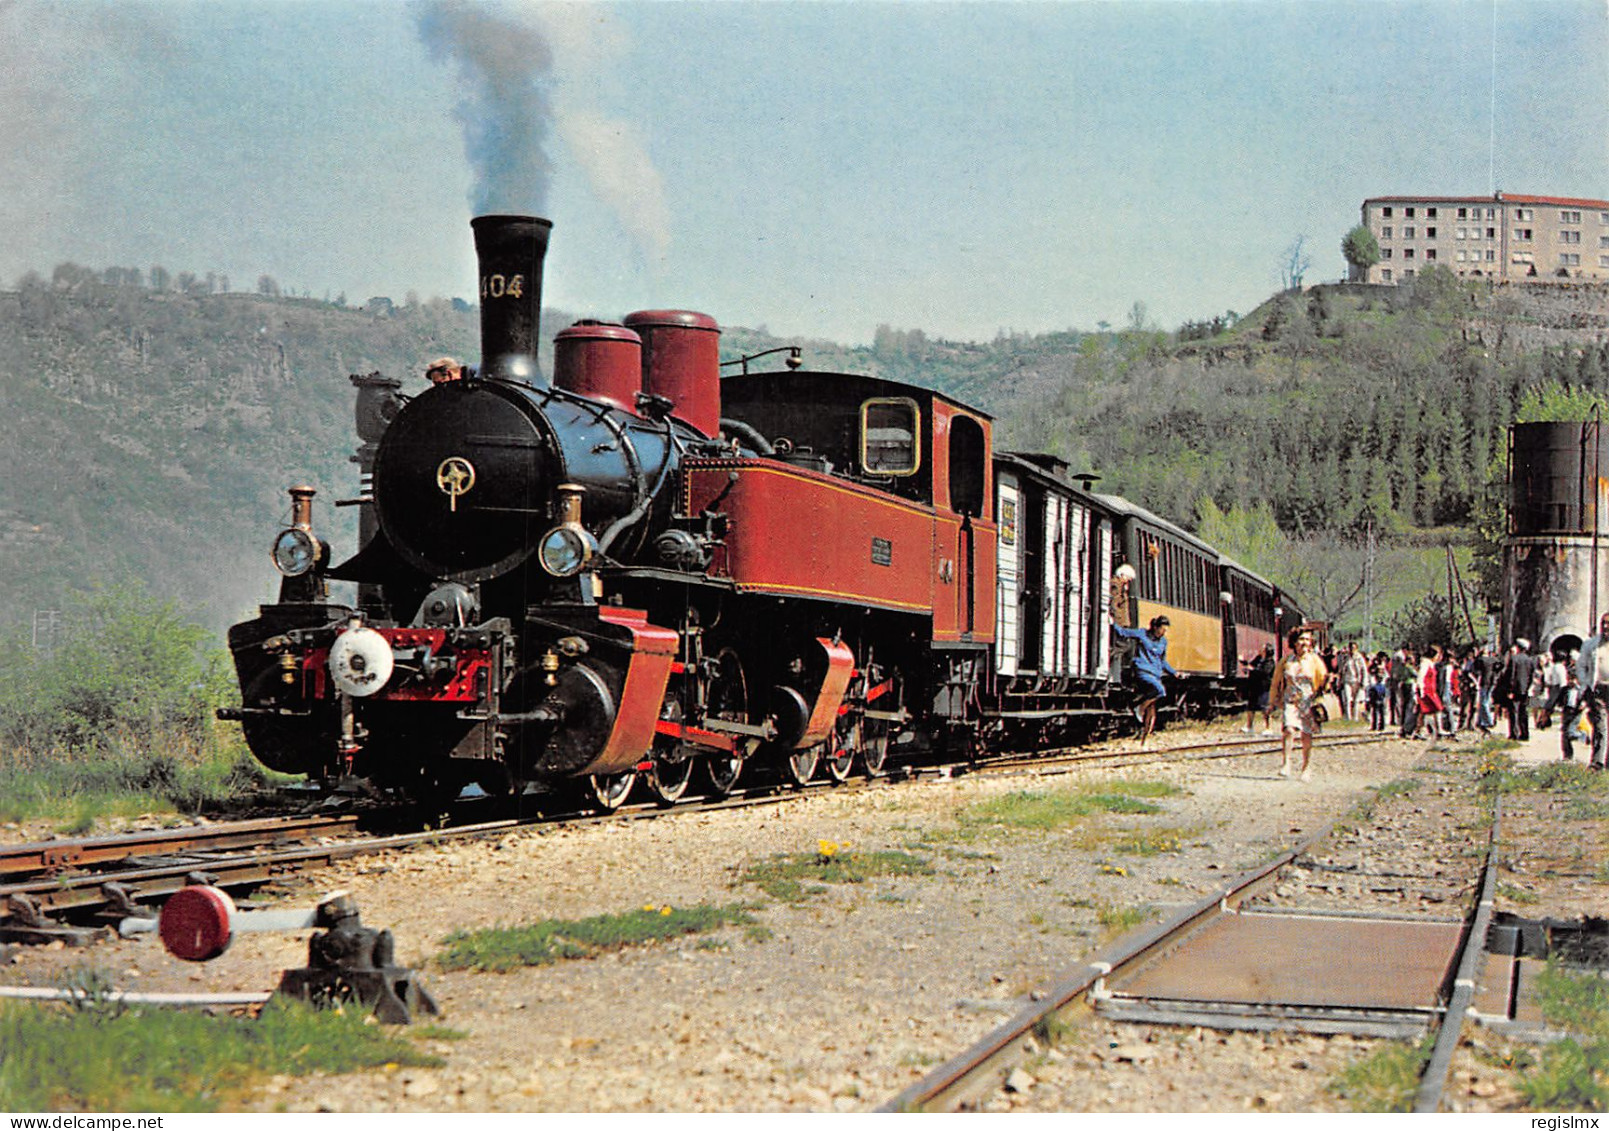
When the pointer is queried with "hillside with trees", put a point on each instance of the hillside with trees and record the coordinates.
(153, 421)
(150, 432)
(1338, 439)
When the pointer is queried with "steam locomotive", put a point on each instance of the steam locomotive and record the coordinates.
(640, 570)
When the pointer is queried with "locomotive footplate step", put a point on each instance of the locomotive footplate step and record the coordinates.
(1294, 970)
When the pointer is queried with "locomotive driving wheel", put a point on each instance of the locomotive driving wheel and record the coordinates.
(726, 697)
(609, 791)
(874, 746)
(672, 768)
(800, 766)
(849, 733)
(842, 747)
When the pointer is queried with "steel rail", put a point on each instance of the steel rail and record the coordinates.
(54, 894)
(1433, 1081)
(88, 852)
(59, 893)
(982, 1067)
(1075, 755)
(33, 895)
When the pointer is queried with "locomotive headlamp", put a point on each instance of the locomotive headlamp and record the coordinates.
(566, 550)
(295, 551)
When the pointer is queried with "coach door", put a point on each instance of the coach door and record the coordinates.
(1101, 579)
(1078, 602)
(1009, 580)
(968, 484)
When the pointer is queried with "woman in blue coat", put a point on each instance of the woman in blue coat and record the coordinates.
(1149, 665)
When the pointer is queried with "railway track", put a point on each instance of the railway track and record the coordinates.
(1218, 964)
(103, 879)
(1074, 756)
(55, 856)
(895, 998)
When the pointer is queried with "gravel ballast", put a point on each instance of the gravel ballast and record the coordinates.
(842, 999)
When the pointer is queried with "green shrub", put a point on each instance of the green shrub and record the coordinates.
(118, 720)
(129, 669)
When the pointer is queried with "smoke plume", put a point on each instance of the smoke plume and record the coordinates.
(614, 156)
(505, 71)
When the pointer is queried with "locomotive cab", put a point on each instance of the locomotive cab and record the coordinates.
(900, 442)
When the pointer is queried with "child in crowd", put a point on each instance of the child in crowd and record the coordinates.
(1570, 704)
(1379, 695)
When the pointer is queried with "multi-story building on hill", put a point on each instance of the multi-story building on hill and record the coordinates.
(1506, 238)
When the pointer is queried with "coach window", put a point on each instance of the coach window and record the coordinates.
(890, 439)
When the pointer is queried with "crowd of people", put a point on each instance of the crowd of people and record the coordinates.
(1442, 692)
(1438, 693)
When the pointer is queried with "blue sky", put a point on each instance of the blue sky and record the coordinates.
(815, 168)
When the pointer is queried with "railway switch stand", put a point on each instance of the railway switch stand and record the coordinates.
(346, 961)
(22, 920)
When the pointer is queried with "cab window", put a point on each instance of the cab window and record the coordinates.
(890, 439)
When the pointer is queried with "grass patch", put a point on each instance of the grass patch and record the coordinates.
(1386, 1081)
(1573, 1001)
(1151, 842)
(500, 949)
(1572, 1074)
(1398, 787)
(1585, 794)
(1116, 920)
(1055, 1030)
(78, 786)
(956, 853)
(1582, 807)
(794, 877)
(1047, 810)
(1515, 894)
(99, 1057)
(1498, 774)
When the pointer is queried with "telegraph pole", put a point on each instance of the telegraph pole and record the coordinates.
(1368, 589)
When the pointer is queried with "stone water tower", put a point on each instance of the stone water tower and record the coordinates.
(1554, 582)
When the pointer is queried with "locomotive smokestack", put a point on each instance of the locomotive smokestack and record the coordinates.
(510, 250)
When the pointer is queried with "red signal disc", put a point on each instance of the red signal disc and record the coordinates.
(195, 923)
